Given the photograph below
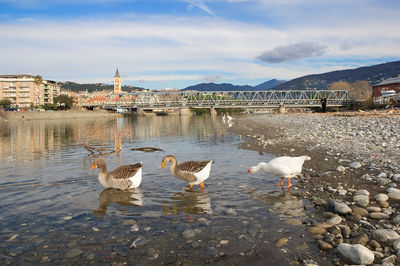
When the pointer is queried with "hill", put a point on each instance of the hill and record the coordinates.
(218, 87)
(373, 74)
(90, 87)
(269, 84)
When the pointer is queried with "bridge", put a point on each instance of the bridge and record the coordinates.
(226, 99)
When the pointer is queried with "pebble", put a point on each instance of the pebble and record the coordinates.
(362, 192)
(230, 211)
(317, 230)
(381, 197)
(324, 245)
(187, 234)
(340, 168)
(378, 215)
(339, 207)
(386, 236)
(224, 242)
(73, 253)
(374, 209)
(396, 244)
(121, 250)
(67, 218)
(394, 195)
(282, 242)
(139, 242)
(361, 200)
(355, 254)
(135, 228)
(355, 165)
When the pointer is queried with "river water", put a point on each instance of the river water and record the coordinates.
(54, 210)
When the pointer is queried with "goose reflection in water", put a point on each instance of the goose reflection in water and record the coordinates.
(284, 202)
(123, 198)
(189, 202)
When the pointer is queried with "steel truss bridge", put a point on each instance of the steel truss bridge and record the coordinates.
(226, 99)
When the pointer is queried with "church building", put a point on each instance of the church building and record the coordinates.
(117, 82)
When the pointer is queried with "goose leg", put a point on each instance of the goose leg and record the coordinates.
(289, 184)
(201, 185)
(281, 183)
(191, 186)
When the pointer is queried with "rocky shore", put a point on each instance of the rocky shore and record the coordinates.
(351, 180)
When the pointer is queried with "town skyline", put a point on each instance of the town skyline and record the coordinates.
(175, 44)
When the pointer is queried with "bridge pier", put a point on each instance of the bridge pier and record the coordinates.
(185, 111)
(282, 109)
(213, 112)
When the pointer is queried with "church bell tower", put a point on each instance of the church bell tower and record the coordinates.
(117, 82)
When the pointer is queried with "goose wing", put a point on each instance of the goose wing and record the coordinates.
(125, 171)
(189, 168)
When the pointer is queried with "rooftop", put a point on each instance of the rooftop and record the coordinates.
(389, 81)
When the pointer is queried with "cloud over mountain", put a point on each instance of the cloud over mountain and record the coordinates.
(292, 52)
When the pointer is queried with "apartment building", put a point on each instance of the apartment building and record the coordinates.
(22, 90)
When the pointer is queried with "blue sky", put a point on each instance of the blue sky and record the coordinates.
(176, 43)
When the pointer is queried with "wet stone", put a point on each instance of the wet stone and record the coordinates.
(188, 234)
(121, 250)
(282, 242)
(73, 253)
(230, 211)
(317, 230)
(324, 245)
(139, 242)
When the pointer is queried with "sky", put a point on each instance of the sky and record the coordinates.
(160, 44)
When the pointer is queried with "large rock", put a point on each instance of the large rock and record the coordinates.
(339, 207)
(355, 254)
(386, 236)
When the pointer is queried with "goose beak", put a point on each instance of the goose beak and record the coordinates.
(249, 171)
(92, 166)
(162, 166)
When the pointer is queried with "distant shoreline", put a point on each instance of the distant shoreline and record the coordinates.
(52, 115)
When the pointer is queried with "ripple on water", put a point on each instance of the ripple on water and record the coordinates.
(44, 185)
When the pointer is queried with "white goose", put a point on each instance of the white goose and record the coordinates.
(284, 166)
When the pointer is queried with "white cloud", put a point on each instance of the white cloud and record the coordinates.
(166, 48)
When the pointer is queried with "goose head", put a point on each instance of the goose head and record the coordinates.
(99, 163)
(167, 159)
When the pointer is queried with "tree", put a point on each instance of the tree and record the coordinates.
(340, 85)
(38, 80)
(360, 90)
(65, 100)
(5, 103)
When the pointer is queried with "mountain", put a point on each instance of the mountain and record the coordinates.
(373, 74)
(218, 87)
(269, 84)
(90, 87)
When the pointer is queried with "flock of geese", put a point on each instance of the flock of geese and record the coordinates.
(127, 177)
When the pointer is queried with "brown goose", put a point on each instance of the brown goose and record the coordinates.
(123, 177)
(193, 172)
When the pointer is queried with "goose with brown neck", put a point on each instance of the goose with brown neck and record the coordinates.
(193, 172)
(123, 177)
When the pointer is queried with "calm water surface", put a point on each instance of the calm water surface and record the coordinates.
(53, 209)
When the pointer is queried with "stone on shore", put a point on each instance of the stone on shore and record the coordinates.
(386, 236)
(381, 197)
(355, 254)
(339, 207)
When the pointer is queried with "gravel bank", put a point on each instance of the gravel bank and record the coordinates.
(351, 179)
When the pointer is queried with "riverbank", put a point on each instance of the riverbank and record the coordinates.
(351, 179)
(50, 115)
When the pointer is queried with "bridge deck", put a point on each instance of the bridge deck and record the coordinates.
(226, 99)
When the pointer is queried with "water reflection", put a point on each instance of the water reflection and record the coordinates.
(188, 202)
(123, 198)
(282, 202)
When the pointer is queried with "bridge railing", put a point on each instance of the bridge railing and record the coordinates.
(226, 98)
